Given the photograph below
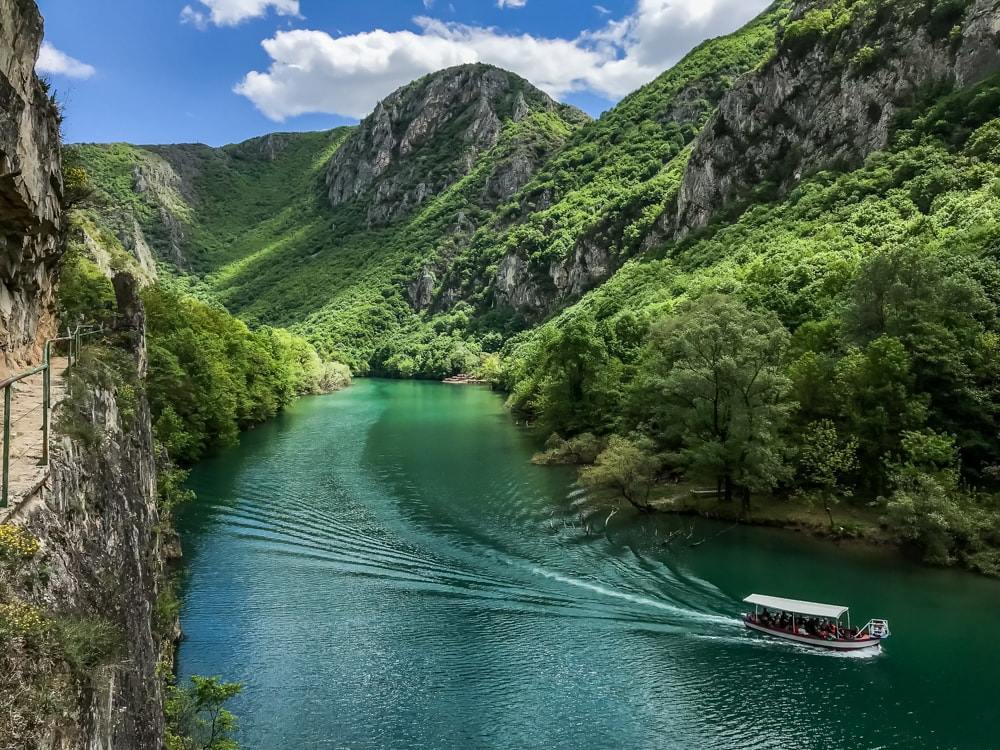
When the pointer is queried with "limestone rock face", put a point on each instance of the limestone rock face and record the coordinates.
(420, 291)
(509, 176)
(98, 523)
(172, 195)
(517, 285)
(30, 192)
(589, 265)
(426, 136)
(818, 107)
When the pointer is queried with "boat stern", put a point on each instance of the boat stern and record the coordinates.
(877, 628)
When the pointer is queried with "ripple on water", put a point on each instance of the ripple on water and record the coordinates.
(376, 592)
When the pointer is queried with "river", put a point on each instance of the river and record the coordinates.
(384, 568)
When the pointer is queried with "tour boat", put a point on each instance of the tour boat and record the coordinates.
(812, 623)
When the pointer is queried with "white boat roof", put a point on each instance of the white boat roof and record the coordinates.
(813, 609)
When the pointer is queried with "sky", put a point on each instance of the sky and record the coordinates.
(223, 71)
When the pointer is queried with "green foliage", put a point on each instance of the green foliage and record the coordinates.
(865, 57)
(78, 189)
(627, 467)
(87, 643)
(85, 293)
(579, 449)
(574, 387)
(811, 26)
(712, 386)
(824, 457)
(945, 524)
(196, 715)
(886, 276)
(170, 490)
(167, 609)
(210, 376)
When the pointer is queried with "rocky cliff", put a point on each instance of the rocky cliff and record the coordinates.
(99, 528)
(428, 135)
(829, 97)
(30, 191)
(80, 557)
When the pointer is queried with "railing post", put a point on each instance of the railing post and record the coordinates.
(46, 400)
(6, 444)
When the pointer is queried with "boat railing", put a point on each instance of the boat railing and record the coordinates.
(877, 628)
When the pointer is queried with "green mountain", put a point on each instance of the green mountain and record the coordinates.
(468, 196)
(774, 266)
(329, 232)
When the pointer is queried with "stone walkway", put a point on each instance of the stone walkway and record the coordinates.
(26, 474)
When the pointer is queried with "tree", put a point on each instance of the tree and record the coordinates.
(824, 458)
(939, 309)
(627, 467)
(574, 383)
(713, 383)
(196, 717)
(879, 403)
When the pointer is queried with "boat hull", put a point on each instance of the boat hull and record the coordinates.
(815, 641)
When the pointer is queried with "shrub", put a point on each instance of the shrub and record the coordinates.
(87, 643)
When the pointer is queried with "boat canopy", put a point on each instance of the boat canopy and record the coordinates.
(813, 609)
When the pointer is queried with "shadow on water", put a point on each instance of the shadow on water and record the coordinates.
(385, 568)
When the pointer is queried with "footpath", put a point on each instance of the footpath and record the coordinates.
(27, 474)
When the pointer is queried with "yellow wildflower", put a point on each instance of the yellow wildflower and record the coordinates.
(16, 543)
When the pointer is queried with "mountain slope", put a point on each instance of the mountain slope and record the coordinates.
(830, 95)
(468, 194)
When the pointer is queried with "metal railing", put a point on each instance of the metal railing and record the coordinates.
(75, 342)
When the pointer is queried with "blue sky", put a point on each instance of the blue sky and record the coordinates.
(222, 71)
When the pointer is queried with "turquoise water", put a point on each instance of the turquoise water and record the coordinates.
(385, 569)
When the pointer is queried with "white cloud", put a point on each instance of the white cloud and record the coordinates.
(511, 3)
(52, 61)
(313, 71)
(232, 12)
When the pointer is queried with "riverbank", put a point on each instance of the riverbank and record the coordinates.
(859, 524)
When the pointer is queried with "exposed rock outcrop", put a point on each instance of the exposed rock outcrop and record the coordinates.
(91, 682)
(30, 191)
(588, 266)
(420, 291)
(99, 525)
(427, 135)
(172, 195)
(509, 176)
(518, 286)
(817, 104)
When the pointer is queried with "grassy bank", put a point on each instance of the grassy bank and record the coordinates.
(862, 524)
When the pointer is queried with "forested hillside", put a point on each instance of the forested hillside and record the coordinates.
(486, 236)
(776, 266)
